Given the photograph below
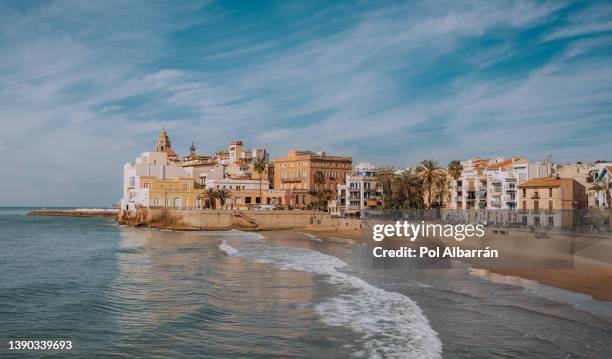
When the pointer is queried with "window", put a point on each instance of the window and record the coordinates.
(132, 181)
(524, 204)
(185, 186)
(551, 221)
(237, 200)
(524, 220)
(550, 205)
(257, 200)
(147, 185)
(247, 200)
(536, 206)
(550, 192)
(524, 192)
(536, 221)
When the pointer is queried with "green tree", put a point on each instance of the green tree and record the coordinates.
(455, 169)
(324, 196)
(384, 180)
(429, 172)
(319, 179)
(406, 190)
(259, 166)
(222, 194)
(209, 194)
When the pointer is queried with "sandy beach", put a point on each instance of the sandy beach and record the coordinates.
(575, 274)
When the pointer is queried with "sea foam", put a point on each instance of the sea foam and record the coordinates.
(391, 325)
(229, 250)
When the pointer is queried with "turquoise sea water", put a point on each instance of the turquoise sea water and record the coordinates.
(142, 293)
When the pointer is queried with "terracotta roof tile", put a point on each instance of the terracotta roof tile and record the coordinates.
(545, 182)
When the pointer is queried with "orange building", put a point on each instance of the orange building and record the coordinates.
(296, 174)
(552, 193)
(550, 201)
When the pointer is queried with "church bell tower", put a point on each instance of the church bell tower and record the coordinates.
(163, 141)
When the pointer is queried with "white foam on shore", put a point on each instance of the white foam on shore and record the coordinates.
(229, 250)
(391, 325)
(312, 237)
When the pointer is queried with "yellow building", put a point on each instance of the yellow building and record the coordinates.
(172, 193)
(296, 174)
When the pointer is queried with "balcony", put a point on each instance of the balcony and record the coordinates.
(535, 196)
(291, 180)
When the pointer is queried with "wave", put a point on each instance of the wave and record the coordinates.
(391, 324)
(229, 250)
(312, 237)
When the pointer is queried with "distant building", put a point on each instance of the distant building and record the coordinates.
(358, 193)
(296, 173)
(157, 179)
(549, 200)
(492, 183)
(600, 197)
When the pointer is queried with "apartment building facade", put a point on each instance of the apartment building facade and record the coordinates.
(358, 193)
(492, 183)
(551, 201)
(296, 173)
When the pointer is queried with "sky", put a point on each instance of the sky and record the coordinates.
(85, 86)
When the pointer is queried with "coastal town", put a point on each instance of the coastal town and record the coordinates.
(241, 178)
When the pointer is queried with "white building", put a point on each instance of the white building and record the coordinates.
(492, 183)
(161, 164)
(156, 164)
(603, 175)
(358, 193)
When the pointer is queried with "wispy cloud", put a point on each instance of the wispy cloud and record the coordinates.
(84, 87)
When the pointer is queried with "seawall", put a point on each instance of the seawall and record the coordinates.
(207, 219)
(79, 212)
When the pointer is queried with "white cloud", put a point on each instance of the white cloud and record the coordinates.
(84, 87)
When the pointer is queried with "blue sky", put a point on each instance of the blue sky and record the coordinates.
(86, 86)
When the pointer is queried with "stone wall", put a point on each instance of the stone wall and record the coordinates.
(228, 219)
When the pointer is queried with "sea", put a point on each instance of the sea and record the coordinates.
(122, 292)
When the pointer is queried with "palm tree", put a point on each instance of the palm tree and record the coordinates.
(259, 166)
(442, 187)
(429, 171)
(319, 178)
(222, 194)
(384, 179)
(406, 191)
(209, 194)
(604, 185)
(455, 169)
(323, 197)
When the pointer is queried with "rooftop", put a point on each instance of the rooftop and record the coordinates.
(546, 182)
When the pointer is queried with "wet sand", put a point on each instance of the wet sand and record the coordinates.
(594, 279)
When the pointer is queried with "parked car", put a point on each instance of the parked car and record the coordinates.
(265, 207)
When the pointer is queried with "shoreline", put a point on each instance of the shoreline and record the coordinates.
(582, 277)
(79, 212)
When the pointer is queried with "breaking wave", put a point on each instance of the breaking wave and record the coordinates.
(391, 325)
(229, 250)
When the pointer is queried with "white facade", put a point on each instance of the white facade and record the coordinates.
(156, 164)
(603, 175)
(237, 184)
(492, 184)
(358, 193)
